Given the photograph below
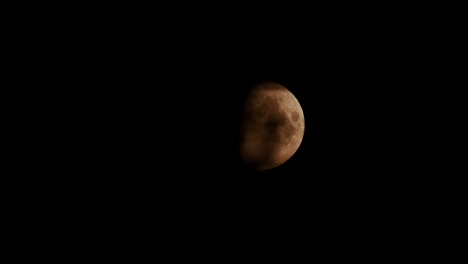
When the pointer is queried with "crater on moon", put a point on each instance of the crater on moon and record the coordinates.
(295, 116)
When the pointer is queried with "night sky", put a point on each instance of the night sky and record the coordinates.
(363, 144)
(150, 148)
(337, 152)
(369, 93)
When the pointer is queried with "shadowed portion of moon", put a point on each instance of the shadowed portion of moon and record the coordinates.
(272, 126)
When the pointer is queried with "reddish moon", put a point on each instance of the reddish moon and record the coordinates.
(272, 126)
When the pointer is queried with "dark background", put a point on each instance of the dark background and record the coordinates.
(353, 149)
(160, 104)
(139, 137)
(367, 92)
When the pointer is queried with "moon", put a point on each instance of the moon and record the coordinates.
(271, 126)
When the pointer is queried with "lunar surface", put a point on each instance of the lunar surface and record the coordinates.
(272, 126)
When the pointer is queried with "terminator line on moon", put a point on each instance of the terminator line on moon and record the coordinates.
(272, 126)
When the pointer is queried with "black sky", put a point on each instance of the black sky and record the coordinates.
(147, 126)
(366, 107)
(368, 88)
(360, 104)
